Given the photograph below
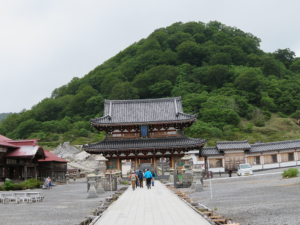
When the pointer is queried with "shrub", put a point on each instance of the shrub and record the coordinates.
(282, 115)
(259, 123)
(2, 188)
(125, 182)
(291, 172)
(249, 127)
(267, 114)
(8, 185)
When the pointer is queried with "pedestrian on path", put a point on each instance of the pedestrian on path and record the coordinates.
(148, 176)
(137, 180)
(133, 177)
(141, 178)
(230, 172)
(153, 176)
(50, 183)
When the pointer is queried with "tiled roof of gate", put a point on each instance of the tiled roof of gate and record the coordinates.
(274, 146)
(141, 111)
(228, 145)
(209, 151)
(145, 143)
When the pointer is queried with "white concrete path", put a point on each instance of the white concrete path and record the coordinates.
(157, 206)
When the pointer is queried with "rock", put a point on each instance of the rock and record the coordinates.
(66, 151)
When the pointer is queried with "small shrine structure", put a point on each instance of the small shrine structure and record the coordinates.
(143, 131)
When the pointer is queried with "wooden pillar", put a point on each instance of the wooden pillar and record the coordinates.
(154, 163)
(25, 173)
(172, 162)
(35, 175)
(136, 164)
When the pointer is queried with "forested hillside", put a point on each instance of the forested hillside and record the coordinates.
(221, 73)
(3, 116)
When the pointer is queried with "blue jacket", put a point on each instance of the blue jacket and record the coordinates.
(148, 174)
(141, 176)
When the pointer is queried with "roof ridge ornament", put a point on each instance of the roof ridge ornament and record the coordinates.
(109, 114)
(176, 110)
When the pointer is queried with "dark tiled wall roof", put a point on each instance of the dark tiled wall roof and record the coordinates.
(210, 151)
(147, 143)
(274, 146)
(142, 111)
(228, 145)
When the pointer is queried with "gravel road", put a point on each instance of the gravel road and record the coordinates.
(63, 205)
(264, 199)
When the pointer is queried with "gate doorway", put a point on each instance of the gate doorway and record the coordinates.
(233, 160)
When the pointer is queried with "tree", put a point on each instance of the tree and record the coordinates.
(271, 67)
(190, 52)
(216, 76)
(178, 38)
(123, 91)
(161, 89)
(248, 81)
(295, 67)
(220, 58)
(286, 56)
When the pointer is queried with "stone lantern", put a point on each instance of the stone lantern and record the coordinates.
(92, 181)
(195, 176)
(101, 165)
(100, 173)
(67, 177)
(187, 167)
(198, 185)
(171, 174)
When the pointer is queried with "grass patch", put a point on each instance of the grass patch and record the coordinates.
(291, 172)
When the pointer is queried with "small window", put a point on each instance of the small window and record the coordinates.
(257, 160)
(274, 158)
(219, 162)
(291, 156)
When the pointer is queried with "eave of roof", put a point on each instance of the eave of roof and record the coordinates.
(274, 146)
(143, 111)
(50, 157)
(144, 143)
(233, 145)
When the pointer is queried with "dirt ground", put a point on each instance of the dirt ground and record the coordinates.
(262, 199)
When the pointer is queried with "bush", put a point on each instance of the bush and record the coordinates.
(291, 172)
(267, 114)
(125, 182)
(260, 122)
(282, 115)
(8, 185)
(2, 188)
(249, 127)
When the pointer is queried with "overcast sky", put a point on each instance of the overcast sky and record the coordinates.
(44, 44)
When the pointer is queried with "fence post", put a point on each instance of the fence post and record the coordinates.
(175, 178)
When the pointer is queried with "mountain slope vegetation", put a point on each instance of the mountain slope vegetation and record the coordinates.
(220, 71)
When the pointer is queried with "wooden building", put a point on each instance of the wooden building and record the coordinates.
(143, 130)
(52, 166)
(19, 158)
(227, 155)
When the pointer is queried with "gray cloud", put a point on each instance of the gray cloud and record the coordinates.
(44, 44)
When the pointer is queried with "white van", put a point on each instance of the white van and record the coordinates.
(244, 170)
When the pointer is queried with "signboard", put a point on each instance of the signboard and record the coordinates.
(144, 131)
(209, 175)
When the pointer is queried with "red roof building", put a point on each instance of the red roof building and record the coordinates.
(52, 166)
(19, 158)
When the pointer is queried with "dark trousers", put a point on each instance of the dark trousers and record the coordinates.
(141, 182)
(148, 181)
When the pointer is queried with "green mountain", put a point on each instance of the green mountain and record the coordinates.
(3, 116)
(221, 73)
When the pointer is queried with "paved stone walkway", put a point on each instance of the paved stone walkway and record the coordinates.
(157, 206)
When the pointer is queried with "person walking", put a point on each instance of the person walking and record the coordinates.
(137, 180)
(148, 176)
(153, 176)
(133, 178)
(50, 183)
(230, 172)
(141, 178)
